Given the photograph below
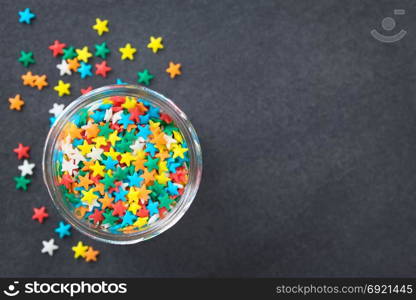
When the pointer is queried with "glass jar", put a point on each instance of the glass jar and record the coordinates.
(52, 153)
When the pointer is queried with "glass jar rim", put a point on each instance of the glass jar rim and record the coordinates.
(180, 120)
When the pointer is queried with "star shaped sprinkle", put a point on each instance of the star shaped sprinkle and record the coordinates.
(57, 48)
(69, 53)
(26, 58)
(173, 70)
(21, 182)
(69, 166)
(127, 52)
(102, 69)
(57, 109)
(73, 64)
(62, 88)
(79, 250)
(22, 151)
(49, 247)
(28, 79)
(155, 44)
(91, 254)
(16, 103)
(26, 168)
(26, 16)
(144, 77)
(100, 26)
(63, 230)
(86, 90)
(40, 214)
(85, 70)
(40, 82)
(63, 68)
(101, 50)
(83, 54)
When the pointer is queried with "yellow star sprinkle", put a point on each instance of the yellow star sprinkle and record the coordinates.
(62, 88)
(99, 141)
(155, 44)
(140, 222)
(127, 52)
(113, 138)
(85, 148)
(79, 250)
(177, 136)
(127, 158)
(100, 26)
(179, 151)
(129, 103)
(83, 54)
(162, 178)
(89, 196)
(113, 154)
(134, 207)
(133, 195)
(97, 169)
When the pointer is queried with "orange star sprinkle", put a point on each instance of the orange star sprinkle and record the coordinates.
(16, 103)
(85, 181)
(29, 79)
(106, 201)
(41, 82)
(148, 176)
(91, 254)
(173, 70)
(92, 131)
(73, 64)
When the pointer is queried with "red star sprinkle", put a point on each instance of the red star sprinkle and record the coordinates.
(143, 213)
(66, 180)
(119, 209)
(97, 216)
(57, 48)
(22, 151)
(135, 112)
(102, 69)
(165, 117)
(86, 90)
(40, 214)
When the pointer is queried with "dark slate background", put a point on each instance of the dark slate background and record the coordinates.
(307, 126)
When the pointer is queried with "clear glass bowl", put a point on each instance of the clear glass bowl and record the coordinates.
(50, 171)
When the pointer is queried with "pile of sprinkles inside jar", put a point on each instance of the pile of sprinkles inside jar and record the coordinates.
(122, 164)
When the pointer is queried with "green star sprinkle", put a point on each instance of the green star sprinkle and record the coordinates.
(165, 202)
(108, 181)
(105, 130)
(109, 218)
(144, 77)
(101, 50)
(21, 182)
(26, 58)
(151, 164)
(69, 53)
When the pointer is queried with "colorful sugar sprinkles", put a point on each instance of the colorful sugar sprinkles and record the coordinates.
(122, 164)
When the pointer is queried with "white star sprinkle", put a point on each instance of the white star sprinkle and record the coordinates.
(69, 165)
(49, 247)
(64, 68)
(116, 117)
(169, 141)
(138, 145)
(108, 115)
(57, 109)
(26, 168)
(76, 156)
(95, 153)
